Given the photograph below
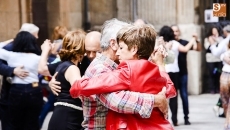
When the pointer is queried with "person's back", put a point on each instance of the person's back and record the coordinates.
(64, 95)
(72, 106)
(25, 98)
(28, 60)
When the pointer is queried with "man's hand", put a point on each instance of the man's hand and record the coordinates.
(161, 102)
(20, 72)
(54, 85)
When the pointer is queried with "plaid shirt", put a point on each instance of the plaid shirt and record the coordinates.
(94, 109)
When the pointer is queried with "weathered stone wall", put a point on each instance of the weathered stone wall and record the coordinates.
(10, 19)
(101, 10)
(169, 12)
(64, 12)
(70, 14)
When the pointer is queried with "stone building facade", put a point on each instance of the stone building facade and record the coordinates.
(90, 15)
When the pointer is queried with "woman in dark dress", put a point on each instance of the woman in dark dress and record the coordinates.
(68, 114)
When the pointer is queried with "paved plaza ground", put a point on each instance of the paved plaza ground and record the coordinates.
(201, 115)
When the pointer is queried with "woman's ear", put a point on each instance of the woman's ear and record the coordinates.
(134, 50)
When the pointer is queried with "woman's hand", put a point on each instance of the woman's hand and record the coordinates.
(158, 55)
(46, 46)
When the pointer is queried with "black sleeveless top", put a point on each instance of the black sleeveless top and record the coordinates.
(64, 95)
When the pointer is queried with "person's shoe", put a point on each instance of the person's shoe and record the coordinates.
(186, 122)
(222, 115)
(216, 110)
(175, 124)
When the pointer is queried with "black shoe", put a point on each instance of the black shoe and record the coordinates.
(222, 115)
(186, 122)
(175, 124)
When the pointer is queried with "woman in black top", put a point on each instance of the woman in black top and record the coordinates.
(68, 114)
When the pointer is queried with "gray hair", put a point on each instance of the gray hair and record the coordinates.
(109, 31)
(227, 28)
(29, 27)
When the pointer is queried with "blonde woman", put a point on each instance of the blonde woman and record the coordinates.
(68, 111)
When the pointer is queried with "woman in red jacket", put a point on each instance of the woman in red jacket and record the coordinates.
(135, 73)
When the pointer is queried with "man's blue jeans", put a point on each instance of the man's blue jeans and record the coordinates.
(183, 83)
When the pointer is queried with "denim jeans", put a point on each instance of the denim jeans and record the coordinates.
(183, 85)
(25, 103)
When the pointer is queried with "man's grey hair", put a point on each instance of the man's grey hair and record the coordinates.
(109, 31)
(29, 27)
(227, 28)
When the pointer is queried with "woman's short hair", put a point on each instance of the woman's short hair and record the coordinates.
(167, 33)
(143, 37)
(73, 47)
(25, 42)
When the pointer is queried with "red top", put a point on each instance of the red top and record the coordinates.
(134, 75)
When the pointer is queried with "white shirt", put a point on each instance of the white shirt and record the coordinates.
(221, 48)
(173, 67)
(28, 60)
(209, 56)
(226, 67)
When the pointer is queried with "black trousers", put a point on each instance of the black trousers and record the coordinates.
(214, 69)
(173, 102)
(25, 104)
(4, 117)
(66, 118)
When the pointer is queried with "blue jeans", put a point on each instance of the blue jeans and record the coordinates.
(25, 103)
(183, 83)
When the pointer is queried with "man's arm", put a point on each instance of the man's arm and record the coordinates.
(134, 102)
(6, 70)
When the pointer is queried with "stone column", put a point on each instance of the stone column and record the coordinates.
(169, 12)
(100, 11)
(10, 19)
(64, 12)
(186, 20)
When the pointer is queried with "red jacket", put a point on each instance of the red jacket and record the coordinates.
(134, 75)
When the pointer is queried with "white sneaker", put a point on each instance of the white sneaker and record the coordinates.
(216, 110)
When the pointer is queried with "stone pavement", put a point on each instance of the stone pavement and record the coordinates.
(201, 114)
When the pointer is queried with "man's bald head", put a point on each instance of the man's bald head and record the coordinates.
(92, 44)
(139, 22)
